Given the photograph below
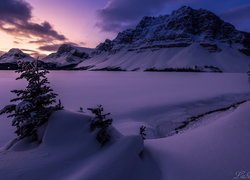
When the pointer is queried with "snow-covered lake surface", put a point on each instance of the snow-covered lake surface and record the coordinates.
(136, 98)
(160, 101)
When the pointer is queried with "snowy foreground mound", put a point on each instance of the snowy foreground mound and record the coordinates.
(218, 151)
(70, 151)
(214, 148)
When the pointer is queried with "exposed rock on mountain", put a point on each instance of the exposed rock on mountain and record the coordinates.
(187, 38)
(67, 56)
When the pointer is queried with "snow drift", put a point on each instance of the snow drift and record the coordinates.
(214, 148)
(70, 151)
(218, 150)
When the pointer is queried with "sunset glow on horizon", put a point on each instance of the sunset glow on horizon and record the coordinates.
(39, 27)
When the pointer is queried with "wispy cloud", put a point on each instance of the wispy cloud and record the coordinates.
(53, 47)
(120, 14)
(16, 19)
(34, 53)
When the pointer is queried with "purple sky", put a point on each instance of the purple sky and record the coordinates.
(41, 25)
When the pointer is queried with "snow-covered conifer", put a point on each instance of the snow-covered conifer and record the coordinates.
(34, 104)
(143, 132)
(102, 123)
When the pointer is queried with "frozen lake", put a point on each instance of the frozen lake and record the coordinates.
(134, 98)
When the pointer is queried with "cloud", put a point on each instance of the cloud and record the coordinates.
(16, 19)
(120, 14)
(239, 17)
(53, 47)
(39, 41)
(28, 50)
(16, 42)
(12, 10)
(82, 43)
(34, 53)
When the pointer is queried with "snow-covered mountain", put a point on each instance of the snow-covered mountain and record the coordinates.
(68, 56)
(1, 53)
(14, 55)
(187, 38)
(10, 59)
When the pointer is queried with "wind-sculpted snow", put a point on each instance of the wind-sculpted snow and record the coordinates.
(69, 150)
(218, 150)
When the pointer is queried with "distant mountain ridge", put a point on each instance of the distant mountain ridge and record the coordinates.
(187, 39)
(67, 57)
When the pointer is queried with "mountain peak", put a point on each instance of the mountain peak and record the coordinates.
(189, 11)
(65, 48)
(183, 9)
(181, 28)
(14, 55)
(15, 51)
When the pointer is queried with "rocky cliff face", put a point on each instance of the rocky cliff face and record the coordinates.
(68, 56)
(179, 29)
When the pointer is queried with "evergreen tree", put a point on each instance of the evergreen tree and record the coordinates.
(248, 73)
(143, 132)
(102, 123)
(35, 103)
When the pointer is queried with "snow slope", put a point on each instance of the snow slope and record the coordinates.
(228, 60)
(216, 151)
(70, 151)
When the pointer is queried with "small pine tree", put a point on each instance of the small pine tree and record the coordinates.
(35, 103)
(143, 132)
(248, 73)
(102, 123)
(80, 110)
